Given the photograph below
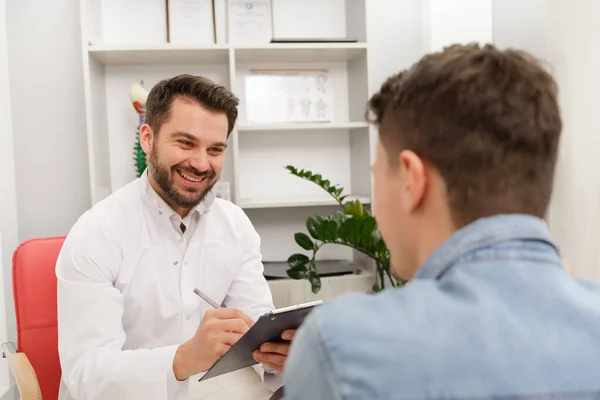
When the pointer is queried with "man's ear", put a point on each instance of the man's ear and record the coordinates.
(146, 138)
(414, 179)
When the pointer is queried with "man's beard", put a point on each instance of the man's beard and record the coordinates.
(165, 180)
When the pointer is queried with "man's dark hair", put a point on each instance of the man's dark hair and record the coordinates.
(487, 120)
(198, 89)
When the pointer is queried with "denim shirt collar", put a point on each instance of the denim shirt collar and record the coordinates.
(482, 233)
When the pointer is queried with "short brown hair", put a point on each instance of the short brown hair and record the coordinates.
(194, 88)
(487, 120)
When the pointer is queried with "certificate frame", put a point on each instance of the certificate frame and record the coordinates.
(213, 28)
(249, 22)
(274, 96)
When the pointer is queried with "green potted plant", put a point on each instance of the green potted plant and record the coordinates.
(353, 226)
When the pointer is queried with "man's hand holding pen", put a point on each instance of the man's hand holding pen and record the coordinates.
(220, 329)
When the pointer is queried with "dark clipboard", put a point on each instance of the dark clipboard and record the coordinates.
(268, 328)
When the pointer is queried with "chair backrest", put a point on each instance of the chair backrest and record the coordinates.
(34, 286)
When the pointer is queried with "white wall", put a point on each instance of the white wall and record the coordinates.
(574, 50)
(395, 37)
(398, 36)
(567, 36)
(8, 205)
(522, 24)
(447, 22)
(43, 155)
(46, 78)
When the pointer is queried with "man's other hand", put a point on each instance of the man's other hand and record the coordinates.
(273, 355)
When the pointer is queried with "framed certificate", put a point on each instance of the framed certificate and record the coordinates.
(191, 21)
(288, 96)
(249, 21)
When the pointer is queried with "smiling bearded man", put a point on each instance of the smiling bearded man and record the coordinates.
(193, 193)
(129, 323)
(191, 186)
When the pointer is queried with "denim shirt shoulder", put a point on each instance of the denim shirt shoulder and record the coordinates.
(492, 313)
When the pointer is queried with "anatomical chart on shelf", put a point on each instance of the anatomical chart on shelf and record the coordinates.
(288, 96)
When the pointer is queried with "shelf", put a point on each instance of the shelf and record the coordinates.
(162, 54)
(303, 127)
(299, 52)
(182, 54)
(299, 203)
(117, 52)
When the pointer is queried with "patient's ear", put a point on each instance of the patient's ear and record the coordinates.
(413, 179)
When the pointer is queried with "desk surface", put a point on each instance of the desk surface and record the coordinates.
(242, 384)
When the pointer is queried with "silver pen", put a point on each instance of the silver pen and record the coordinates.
(206, 298)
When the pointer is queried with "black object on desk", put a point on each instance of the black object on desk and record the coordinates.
(268, 328)
(277, 270)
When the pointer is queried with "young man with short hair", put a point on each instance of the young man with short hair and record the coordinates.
(468, 141)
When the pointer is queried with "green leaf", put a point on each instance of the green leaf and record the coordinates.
(354, 208)
(358, 207)
(378, 243)
(315, 282)
(304, 241)
(298, 260)
(315, 227)
(321, 232)
(366, 231)
(376, 288)
(348, 230)
(329, 231)
(296, 274)
(339, 218)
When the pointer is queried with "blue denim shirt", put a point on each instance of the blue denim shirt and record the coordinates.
(492, 313)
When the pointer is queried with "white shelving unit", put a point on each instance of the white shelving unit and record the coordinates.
(276, 202)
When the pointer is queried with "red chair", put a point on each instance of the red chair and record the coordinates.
(34, 286)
